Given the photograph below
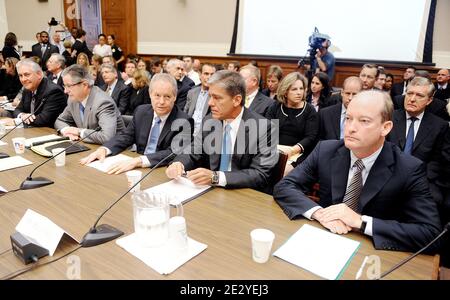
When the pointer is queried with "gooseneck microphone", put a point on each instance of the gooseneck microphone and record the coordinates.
(104, 233)
(401, 263)
(33, 183)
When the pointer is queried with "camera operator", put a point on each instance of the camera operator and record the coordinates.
(324, 60)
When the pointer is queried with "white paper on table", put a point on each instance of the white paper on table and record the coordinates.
(164, 259)
(40, 230)
(2, 189)
(321, 252)
(108, 162)
(9, 107)
(2, 143)
(30, 141)
(13, 162)
(181, 189)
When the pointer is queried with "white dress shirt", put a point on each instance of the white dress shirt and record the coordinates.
(416, 123)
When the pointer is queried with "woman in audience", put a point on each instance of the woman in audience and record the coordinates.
(9, 83)
(273, 78)
(83, 59)
(102, 48)
(142, 65)
(93, 71)
(298, 120)
(139, 94)
(319, 91)
(117, 53)
(69, 54)
(9, 49)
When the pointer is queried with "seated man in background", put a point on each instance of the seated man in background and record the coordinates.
(153, 129)
(175, 67)
(254, 100)
(88, 108)
(115, 88)
(42, 100)
(366, 184)
(235, 148)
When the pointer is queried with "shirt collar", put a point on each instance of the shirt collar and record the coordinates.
(113, 85)
(419, 117)
(84, 102)
(368, 161)
(163, 117)
(235, 123)
(443, 86)
(343, 110)
(252, 95)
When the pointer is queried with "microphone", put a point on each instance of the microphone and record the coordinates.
(98, 235)
(38, 182)
(401, 263)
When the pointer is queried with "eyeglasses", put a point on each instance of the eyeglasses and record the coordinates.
(68, 86)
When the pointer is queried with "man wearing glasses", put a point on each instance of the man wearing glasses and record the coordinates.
(88, 107)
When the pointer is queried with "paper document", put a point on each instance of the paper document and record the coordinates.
(164, 259)
(182, 189)
(13, 162)
(108, 162)
(3, 190)
(40, 230)
(29, 142)
(321, 252)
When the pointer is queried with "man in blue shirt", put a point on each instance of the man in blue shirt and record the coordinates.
(325, 61)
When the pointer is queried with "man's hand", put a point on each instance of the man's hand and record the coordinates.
(335, 226)
(200, 176)
(341, 212)
(175, 170)
(99, 154)
(72, 132)
(28, 118)
(124, 166)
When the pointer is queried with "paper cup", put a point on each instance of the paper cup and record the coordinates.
(60, 160)
(133, 177)
(19, 145)
(262, 240)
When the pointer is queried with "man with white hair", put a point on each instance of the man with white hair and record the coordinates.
(55, 65)
(42, 100)
(175, 67)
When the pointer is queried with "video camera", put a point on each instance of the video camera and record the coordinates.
(316, 40)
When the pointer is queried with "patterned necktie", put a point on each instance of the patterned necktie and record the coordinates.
(353, 192)
(410, 137)
(225, 156)
(82, 112)
(33, 103)
(247, 102)
(153, 137)
(43, 48)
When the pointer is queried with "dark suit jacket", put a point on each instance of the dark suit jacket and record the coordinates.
(395, 194)
(58, 82)
(330, 122)
(428, 142)
(121, 95)
(138, 132)
(333, 99)
(397, 89)
(183, 88)
(191, 102)
(436, 107)
(55, 102)
(82, 47)
(9, 51)
(261, 104)
(9, 85)
(444, 94)
(266, 92)
(250, 166)
(36, 50)
(137, 97)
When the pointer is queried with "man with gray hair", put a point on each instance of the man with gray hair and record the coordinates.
(234, 148)
(152, 129)
(116, 88)
(88, 108)
(55, 65)
(175, 67)
(42, 100)
(255, 100)
(418, 132)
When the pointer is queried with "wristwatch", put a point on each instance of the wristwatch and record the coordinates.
(215, 178)
(363, 226)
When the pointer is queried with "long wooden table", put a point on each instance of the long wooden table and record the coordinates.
(221, 218)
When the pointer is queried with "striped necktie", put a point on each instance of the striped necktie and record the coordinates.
(353, 192)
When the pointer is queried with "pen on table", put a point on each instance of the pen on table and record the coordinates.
(359, 273)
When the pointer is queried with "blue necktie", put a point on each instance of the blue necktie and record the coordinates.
(225, 156)
(341, 135)
(82, 112)
(153, 138)
(410, 137)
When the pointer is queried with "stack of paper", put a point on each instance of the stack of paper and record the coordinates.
(318, 251)
(13, 162)
(108, 162)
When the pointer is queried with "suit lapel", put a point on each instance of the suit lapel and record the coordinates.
(380, 173)
(242, 135)
(166, 129)
(146, 126)
(340, 165)
(206, 107)
(400, 128)
(115, 92)
(424, 128)
(214, 158)
(87, 109)
(337, 122)
(195, 95)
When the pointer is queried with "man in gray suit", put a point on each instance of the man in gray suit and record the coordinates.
(255, 100)
(236, 147)
(198, 97)
(88, 107)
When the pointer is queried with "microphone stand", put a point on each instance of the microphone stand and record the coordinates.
(33, 183)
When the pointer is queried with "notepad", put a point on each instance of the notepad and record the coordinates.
(108, 162)
(13, 162)
(321, 252)
(183, 189)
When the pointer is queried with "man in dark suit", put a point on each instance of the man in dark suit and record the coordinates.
(42, 100)
(399, 88)
(235, 148)
(43, 50)
(332, 118)
(198, 97)
(436, 107)
(80, 45)
(175, 67)
(366, 184)
(116, 88)
(255, 100)
(418, 132)
(88, 108)
(55, 66)
(442, 85)
(155, 129)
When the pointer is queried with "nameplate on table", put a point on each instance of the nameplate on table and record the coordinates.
(108, 162)
(321, 252)
(40, 230)
(13, 162)
(181, 189)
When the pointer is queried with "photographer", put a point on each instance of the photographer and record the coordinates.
(324, 61)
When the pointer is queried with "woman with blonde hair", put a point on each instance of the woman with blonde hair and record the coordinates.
(83, 59)
(139, 94)
(273, 78)
(298, 120)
